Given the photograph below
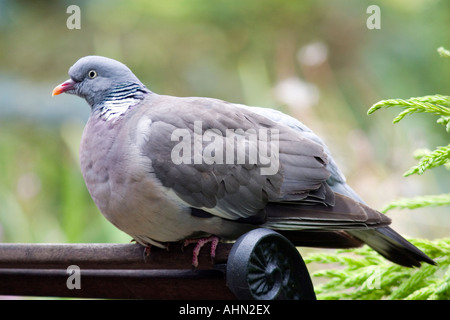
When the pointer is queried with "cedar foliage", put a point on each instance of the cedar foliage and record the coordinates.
(362, 273)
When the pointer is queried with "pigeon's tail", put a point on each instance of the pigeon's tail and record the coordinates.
(392, 246)
(322, 239)
(348, 223)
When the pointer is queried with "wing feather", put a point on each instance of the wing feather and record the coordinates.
(231, 190)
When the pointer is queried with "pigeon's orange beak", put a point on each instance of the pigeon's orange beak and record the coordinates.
(63, 87)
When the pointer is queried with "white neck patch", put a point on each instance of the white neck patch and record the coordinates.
(120, 99)
(113, 109)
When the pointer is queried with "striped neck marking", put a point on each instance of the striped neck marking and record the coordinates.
(120, 99)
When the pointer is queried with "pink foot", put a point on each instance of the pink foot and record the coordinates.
(200, 243)
(147, 251)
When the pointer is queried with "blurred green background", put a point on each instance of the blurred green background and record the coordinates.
(315, 60)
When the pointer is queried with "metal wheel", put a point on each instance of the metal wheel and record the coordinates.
(264, 265)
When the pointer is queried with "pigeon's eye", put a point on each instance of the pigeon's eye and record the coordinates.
(92, 74)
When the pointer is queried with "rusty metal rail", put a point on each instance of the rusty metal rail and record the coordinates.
(112, 271)
(261, 265)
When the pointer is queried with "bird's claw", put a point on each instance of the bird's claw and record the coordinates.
(199, 244)
(147, 251)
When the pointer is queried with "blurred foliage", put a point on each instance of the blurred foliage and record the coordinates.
(42, 194)
(313, 59)
(365, 275)
(437, 105)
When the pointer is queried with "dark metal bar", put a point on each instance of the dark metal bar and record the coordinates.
(106, 256)
(112, 271)
(117, 284)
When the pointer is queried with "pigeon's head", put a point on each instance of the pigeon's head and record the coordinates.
(94, 77)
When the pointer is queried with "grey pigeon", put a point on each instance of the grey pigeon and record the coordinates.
(165, 169)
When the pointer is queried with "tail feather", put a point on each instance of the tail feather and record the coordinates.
(321, 239)
(346, 224)
(392, 246)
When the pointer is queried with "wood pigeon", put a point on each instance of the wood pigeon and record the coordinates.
(165, 169)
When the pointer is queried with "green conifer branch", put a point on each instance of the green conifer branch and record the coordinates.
(418, 202)
(436, 158)
(435, 104)
(443, 53)
(364, 274)
(445, 121)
